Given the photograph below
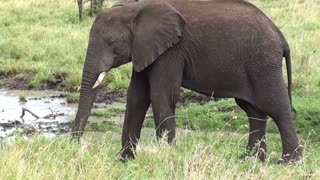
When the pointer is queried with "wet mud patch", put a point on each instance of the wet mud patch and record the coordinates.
(14, 81)
(103, 96)
(22, 81)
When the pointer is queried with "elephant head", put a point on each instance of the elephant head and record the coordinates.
(139, 32)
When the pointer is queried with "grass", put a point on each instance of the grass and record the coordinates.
(44, 41)
(43, 44)
(198, 155)
(22, 97)
(73, 97)
(108, 112)
(225, 114)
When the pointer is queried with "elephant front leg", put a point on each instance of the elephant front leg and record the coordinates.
(165, 83)
(138, 101)
(164, 116)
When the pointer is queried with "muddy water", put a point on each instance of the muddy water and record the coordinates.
(54, 114)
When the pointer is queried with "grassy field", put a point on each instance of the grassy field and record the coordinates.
(43, 45)
(198, 155)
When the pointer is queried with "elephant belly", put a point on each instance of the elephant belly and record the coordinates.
(218, 84)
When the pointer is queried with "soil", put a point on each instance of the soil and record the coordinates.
(13, 82)
(20, 82)
(103, 96)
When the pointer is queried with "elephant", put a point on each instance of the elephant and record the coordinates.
(122, 2)
(228, 48)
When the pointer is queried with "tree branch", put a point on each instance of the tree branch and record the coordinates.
(25, 109)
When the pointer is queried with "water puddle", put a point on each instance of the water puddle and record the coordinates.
(51, 108)
(47, 113)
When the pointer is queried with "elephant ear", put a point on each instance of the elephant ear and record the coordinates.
(157, 27)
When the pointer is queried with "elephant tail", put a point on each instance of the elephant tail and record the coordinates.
(289, 74)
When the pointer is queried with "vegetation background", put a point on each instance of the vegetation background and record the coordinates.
(43, 46)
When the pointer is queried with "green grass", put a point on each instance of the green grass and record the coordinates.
(198, 155)
(73, 97)
(108, 112)
(44, 42)
(22, 97)
(103, 126)
(226, 115)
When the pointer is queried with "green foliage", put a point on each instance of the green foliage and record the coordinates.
(97, 6)
(198, 155)
(117, 80)
(54, 43)
(43, 41)
(40, 39)
(73, 97)
(22, 97)
(213, 116)
(108, 112)
(103, 126)
(227, 116)
(307, 119)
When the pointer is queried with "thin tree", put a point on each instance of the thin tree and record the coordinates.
(80, 6)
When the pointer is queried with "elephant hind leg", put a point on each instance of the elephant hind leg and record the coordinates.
(282, 116)
(272, 98)
(257, 133)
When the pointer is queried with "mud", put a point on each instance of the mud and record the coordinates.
(20, 82)
(54, 114)
(103, 96)
(13, 81)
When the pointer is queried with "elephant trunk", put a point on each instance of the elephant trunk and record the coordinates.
(87, 96)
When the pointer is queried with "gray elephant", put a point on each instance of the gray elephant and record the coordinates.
(228, 48)
(123, 2)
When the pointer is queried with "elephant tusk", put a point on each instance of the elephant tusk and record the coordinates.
(99, 80)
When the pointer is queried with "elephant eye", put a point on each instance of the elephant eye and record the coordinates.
(110, 41)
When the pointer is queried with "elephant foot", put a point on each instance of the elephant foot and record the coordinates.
(295, 158)
(259, 154)
(75, 137)
(172, 142)
(127, 154)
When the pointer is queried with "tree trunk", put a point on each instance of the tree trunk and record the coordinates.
(91, 8)
(80, 3)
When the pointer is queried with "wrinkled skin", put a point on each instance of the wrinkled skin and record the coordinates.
(225, 48)
(123, 2)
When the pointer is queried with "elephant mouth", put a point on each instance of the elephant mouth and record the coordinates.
(99, 80)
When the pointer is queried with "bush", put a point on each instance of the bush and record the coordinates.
(95, 7)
